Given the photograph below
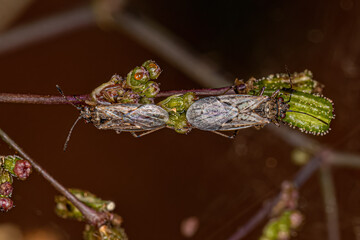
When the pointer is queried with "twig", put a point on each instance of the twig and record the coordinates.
(301, 177)
(46, 28)
(343, 159)
(153, 37)
(92, 217)
(41, 99)
(330, 205)
(80, 99)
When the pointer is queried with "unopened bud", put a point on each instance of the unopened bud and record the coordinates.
(6, 204)
(6, 189)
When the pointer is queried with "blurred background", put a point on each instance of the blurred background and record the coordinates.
(161, 180)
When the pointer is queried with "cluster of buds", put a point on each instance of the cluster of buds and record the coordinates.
(285, 218)
(111, 231)
(136, 88)
(176, 106)
(302, 82)
(283, 226)
(11, 166)
(309, 111)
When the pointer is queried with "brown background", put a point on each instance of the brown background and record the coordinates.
(161, 179)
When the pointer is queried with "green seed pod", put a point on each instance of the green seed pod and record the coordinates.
(104, 233)
(66, 209)
(302, 82)
(153, 69)
(137, 77)
(311, 113)
(151, 89)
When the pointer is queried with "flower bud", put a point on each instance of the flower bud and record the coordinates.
(6, 189)
(5, 176)
(138, 76)
(17, 166)
(6, 204)
(151, 89)
(153, 69)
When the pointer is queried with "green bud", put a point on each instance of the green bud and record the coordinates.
(302, 81)
(300, 157)
(66, 209)
(313, 112)
(189, 99)
(178, 122)
(271, 230)
(151, 89)
(5, 176)
(174, 103)
(137, 77)
(145, 100)
(153, 69)
(104, 233)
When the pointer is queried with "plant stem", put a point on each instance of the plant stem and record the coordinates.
(92, 217)
(301, 177)
(80, 99)
(330, 205)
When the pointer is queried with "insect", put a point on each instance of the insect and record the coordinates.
(122, 117)
(234, 112)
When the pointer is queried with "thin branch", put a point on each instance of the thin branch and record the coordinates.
(92, 217)
(45, 28)
(155, 38)
(80, 99)
(330, 205)
(344, 160)
(301, 177)
(41, 99)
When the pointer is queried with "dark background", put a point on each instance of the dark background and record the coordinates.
(159, 180)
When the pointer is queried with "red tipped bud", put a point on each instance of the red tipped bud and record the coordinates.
(6, 204)
(22, 169)
(6, 189)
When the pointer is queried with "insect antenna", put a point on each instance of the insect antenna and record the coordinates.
(69, 134)
(72, 127)
(308, 115)
(62, 94)
(291, 90)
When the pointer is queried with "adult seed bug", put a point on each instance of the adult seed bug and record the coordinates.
(234, 112)
(122, 117)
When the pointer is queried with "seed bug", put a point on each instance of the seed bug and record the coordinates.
(122, 117)
(234, 112)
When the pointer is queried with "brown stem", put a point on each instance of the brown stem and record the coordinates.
(78, 99)
(301, 177)
(92, 217)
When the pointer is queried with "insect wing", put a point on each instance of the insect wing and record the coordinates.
(227, 112)
(148, 116)
(133, 117)
(210, 113)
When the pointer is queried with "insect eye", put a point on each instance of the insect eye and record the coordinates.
(282, 115)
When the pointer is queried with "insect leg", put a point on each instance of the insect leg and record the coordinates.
(145, 133)
(224, 135)
(275, 93)
(262, 91)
